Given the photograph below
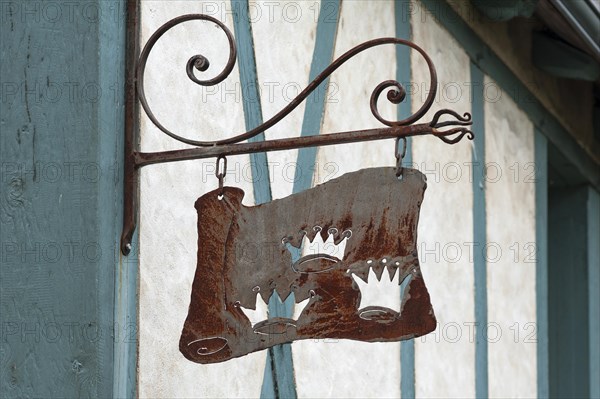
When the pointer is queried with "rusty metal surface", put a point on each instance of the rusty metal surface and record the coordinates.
(131, 172)
(245, 251)
(450, 136)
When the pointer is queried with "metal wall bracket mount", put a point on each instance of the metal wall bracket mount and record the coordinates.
(451, 130)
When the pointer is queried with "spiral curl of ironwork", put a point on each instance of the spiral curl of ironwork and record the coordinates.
(201, 63)
(198, 62)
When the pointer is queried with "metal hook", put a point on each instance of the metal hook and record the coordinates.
(221, 175)
(400, 156)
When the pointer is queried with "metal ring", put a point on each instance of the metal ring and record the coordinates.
(400, 155)
(221, 175)
(224, 173)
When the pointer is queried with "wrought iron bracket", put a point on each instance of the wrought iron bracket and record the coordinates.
(450, 131)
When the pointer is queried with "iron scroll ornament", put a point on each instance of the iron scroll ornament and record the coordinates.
(455, 129)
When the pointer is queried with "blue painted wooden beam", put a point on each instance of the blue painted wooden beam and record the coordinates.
(61, 149)
(593, 238)
(315, 103)
(479, 233)
(251, 98)
(504, 10)
(125, 290)
(568, 317)
(403, 75)
(541, 267)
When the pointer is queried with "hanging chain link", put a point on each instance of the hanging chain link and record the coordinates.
(220, 173)
(400, 156)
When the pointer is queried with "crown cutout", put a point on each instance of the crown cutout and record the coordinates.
(379, 291)
(259, 316)
(318, 255)
(380, 295)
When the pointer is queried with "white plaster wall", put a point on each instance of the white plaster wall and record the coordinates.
(167, 228)
(510, 211)
(445, 359)
(284, 39)
(344, 368)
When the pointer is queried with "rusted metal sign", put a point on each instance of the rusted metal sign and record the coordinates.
(326, 246)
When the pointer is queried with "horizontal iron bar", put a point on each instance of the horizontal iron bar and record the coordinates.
(149, 158)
